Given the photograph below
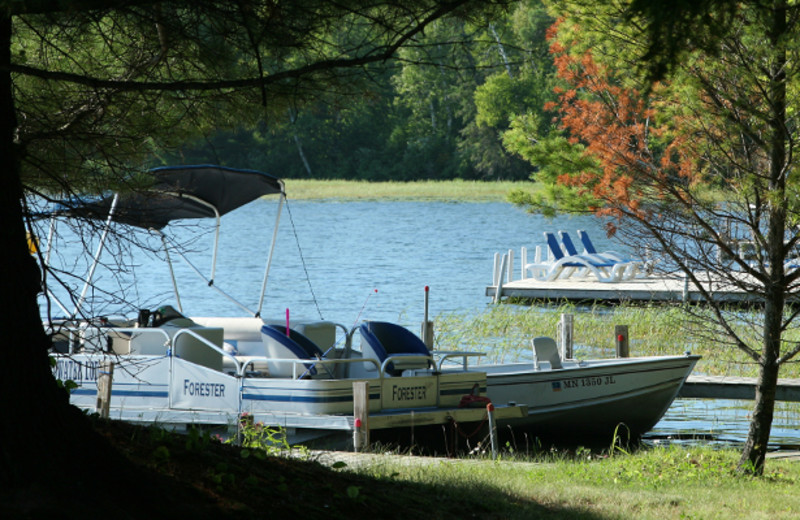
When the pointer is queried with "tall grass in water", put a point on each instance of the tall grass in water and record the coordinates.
(504, 333)
(455, 190)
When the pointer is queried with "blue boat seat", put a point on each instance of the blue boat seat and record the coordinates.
(380, 340)
(294, 346)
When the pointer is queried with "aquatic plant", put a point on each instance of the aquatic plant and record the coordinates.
(504, 333)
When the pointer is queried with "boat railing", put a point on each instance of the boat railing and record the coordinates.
(205, 342)
(296, 362)
(92, 334)
(447, 355)
(398, 358)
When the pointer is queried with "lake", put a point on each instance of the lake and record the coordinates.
(348, 261)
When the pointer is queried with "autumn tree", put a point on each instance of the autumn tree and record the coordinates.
(88, 89)
(692, 167)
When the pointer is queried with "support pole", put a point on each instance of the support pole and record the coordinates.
(621, 339)
(104, 380)
(492, 432)
(427, 326)
(565, 329)
(498, 291)
(360, 415)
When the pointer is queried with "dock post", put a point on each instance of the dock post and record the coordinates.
(104, 380)
(510, 266)
(360, 415)
(496, 269)
(498, 291)
(685, 288)
(565, 328)
(621, 338)
(426, 331)
(523, 259)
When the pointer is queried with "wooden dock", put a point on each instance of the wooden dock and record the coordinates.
(725, 387)
(664, 288)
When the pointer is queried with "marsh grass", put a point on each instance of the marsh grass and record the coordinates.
(504, 332)
(455, 190)
(665, 482)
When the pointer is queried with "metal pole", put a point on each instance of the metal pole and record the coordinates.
(271, 251)
(97, 254)
(492, 433)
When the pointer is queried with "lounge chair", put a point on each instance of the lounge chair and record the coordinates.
(631, 271)
(604, 271)
(643, 268)
(546, 270)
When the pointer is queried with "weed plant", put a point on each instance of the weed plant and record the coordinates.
(504, 333)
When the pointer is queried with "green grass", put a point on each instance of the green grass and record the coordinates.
(504, 332)
(661, 483)
(224, 481)
(455, 190)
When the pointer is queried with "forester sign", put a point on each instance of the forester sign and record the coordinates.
(198, 388)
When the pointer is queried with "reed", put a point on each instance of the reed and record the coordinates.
(504, 333)
(454, 190)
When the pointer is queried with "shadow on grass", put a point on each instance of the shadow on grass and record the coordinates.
(202, 478)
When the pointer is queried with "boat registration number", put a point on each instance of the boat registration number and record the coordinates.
(583, 382)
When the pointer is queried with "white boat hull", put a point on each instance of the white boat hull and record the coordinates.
(590, 399)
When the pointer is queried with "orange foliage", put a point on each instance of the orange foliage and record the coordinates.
(616, 126)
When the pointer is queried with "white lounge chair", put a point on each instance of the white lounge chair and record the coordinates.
(604, 271)
(600, 259)
(643, 267)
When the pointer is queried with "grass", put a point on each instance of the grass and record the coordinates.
(455, 190)
(657, 483)
(221, 481)
(504, 331)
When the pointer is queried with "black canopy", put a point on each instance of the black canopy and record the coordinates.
(180, 192)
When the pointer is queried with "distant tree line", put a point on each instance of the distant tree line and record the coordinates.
(438, 113)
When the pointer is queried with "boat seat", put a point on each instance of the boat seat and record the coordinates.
(380, 340)
(545, 349)
(242, 334)
(294, 346)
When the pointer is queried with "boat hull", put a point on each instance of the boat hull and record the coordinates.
(590, 401)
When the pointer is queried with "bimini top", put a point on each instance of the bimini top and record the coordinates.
(180, 192)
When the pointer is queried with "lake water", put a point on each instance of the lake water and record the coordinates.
(350, 261)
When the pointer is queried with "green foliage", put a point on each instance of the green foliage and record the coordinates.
(261, 441)
(437, 115)
(69, 385)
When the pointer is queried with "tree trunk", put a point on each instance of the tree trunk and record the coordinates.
(52, 462)
(755, 449)
(39, 424)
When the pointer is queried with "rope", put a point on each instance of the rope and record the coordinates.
(302, 259)
(477, 429)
